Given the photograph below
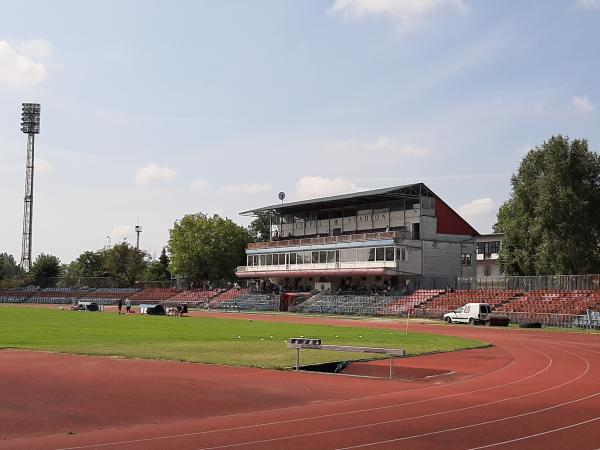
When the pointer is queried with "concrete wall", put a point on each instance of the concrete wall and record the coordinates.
(443, 259)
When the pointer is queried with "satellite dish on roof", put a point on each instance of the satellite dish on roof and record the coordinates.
(281, 196)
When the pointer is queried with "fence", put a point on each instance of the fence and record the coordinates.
(590, 320)
(532, 283)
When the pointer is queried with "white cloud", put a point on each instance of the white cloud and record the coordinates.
(120, 232)
(199, 185)
(35, 49)
(383, 149)
(406, 13)
(312, 187)
(43, 166)
(153, 172)
(17, 69)
(247, 189)
(588, 4)
(391, 147)
(477, 208)
(582, 104)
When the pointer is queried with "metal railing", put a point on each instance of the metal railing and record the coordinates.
(344, 238)
(531, 283)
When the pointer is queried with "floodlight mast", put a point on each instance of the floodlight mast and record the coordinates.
(30, 125)
(138, 230)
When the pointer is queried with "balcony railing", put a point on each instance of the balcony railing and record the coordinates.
(319, 266)
(364, 237)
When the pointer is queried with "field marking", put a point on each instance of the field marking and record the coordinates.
(242, 427)
(363, 425)
(537, 434)
(471, 425)
(408, 418)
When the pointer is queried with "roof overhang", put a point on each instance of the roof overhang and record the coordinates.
(339, 201)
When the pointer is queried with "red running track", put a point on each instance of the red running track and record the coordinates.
(532, 390)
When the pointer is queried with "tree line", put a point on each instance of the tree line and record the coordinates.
(200, 248)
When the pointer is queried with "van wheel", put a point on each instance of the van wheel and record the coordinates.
(448, 320)
(471, 321)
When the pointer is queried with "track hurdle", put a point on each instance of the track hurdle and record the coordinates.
(315, 344)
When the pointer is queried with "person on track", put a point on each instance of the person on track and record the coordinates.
(120, 305)
(128, 305)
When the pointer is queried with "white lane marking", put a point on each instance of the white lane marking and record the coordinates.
(471, 425)
(409, 418)
(554, 430)
(197, 433)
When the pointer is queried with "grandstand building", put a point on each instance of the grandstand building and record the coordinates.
(488, 249)
(398, 237)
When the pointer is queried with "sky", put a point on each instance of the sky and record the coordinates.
(153, 110)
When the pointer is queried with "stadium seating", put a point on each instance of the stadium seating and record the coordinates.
(403, 304)
(553, 302)
(348, 304)
(449, 301)
(153, 295)
(227, 295)
(196, 297)
(248, 301)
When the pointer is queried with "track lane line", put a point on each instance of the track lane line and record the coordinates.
(406, 418)
(198, 433)
(471, 425)
(537, 434)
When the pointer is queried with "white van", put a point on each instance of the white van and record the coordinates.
(471, 313)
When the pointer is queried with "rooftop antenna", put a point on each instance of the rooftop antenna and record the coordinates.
(281, 196)
(30, 125)
(138, 231)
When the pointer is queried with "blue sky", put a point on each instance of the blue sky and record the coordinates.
(158, 109)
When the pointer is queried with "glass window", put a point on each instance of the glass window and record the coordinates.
(389, 253)
(263, 260)
(404, 254)
(371, 254)
(293, 258)
(379, 253)
(331, 256)
(255, 260)
(250, 261)
(466, 259)
(315, 257)
(322, 257)
(299, 258)
(275, 259)
(269, 260)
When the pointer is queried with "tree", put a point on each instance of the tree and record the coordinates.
(206, 248)
(260, 228)
(158, 270)
(8, 267)
(125, 262)
(43, 270)
(91, 263)
(551, 222)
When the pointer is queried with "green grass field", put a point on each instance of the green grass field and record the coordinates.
(195, 339)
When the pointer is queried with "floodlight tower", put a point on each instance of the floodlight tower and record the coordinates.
(30, 125)
(138, 230)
